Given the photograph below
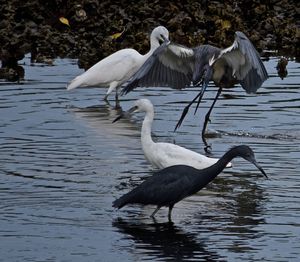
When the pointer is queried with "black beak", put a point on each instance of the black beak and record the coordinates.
(131, 110)
(259, 168)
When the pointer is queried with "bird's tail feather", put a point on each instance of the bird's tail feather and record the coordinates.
(120, 202)
(123, 200)
(76, 82)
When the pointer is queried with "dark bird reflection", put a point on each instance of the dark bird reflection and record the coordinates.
(249, 211)
(166, 241)
(243, 215)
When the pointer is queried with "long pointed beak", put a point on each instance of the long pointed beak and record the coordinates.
(130, 111)
(260, 168)
(165, 38)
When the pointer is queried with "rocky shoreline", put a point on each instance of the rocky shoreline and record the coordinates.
(90, 29)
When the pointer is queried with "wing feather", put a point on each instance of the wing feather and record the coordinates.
(245, 62)
(169, 65)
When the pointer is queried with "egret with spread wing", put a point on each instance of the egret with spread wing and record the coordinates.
(177, 66)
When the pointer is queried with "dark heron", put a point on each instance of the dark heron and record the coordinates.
(177, 66)
(172, 184)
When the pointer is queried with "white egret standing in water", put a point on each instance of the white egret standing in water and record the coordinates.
(162, 155)
(117, 68)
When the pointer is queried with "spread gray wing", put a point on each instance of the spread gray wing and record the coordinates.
(169, 65)
(245, 62)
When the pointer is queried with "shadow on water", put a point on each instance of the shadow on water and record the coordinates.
(100, 119)
(165, 241)
(246, 201)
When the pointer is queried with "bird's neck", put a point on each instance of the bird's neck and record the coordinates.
(146, 130)
(208, 174)
(153, 45)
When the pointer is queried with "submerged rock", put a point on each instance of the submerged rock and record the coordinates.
(281, 67)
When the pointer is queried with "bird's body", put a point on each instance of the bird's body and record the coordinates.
(162, 155)
(172, 184)
(167, 183)
(177, 66)
(125, 61)
(117, 68)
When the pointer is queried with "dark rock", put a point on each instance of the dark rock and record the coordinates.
(269, 24)
(281, 67)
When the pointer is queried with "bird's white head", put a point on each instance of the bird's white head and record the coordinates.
(143, 105)
(159, 35)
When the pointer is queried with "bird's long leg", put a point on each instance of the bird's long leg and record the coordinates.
(199, 100)
(117, 97)
(205, 80)
(184, 112)
(208, 114)
(155, 211)
(170, 213)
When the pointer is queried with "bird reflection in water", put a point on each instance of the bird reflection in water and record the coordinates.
(165, 240)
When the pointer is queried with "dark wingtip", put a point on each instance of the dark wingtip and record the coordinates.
(124, 91)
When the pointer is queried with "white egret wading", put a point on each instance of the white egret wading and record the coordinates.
(117, 68)
(162, 155)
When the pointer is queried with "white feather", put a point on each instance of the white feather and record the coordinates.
(117, 68)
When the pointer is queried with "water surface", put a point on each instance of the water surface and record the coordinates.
(63, 162)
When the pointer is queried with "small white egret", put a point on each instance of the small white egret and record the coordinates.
(162, 155)
(118, 67)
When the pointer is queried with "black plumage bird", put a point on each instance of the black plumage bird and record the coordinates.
(177, 66)
(172, 184)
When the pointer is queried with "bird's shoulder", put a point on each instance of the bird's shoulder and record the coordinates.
(122, 57)
(174, 173)
(180, 51)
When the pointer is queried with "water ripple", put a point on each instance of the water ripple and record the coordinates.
(63, 162)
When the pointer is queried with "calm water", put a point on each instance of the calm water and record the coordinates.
(63, 162)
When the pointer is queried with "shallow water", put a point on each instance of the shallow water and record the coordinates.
(63, 162)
